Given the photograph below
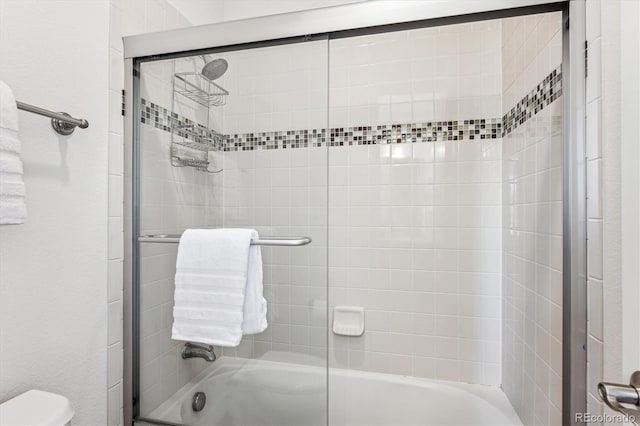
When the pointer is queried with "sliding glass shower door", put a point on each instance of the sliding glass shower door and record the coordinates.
(241, 148)
(407, 187)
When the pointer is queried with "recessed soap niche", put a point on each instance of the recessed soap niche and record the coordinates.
(348, 321)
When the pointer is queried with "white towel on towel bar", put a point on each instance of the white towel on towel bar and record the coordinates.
(218, 294)
(13, 209)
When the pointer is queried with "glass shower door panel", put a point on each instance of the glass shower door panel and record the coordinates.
(445, 223)
(171, 199)
(253, 158)
(276, 182)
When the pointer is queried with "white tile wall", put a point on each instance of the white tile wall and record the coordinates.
(531, 49)
(115, 354)
(417, 244)
(414, 232)
(414, 228)
(276, 88)
(532, 227)
(418, 314)
(283, 193)
(444, 73)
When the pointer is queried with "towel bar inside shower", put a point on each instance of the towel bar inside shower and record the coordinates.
(269, 241)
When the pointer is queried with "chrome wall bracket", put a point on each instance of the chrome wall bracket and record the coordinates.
(62, 127)
(615, 395)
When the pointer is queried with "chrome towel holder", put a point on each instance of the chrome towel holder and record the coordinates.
(62, 123)
(269, 241)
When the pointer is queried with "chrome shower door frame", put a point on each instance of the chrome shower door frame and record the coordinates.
(358, 19)
(131, 206)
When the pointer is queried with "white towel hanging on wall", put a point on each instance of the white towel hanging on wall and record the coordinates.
(13, 209)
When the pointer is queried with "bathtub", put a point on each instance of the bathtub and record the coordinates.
(260, 392)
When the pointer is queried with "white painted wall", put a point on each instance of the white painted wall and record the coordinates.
(200, 12)
(53, 271)
(242, 9)
(58, 270)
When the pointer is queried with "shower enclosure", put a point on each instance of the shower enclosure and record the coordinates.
(411, 170)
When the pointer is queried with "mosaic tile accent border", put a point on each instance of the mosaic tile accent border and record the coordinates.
(542, 95)
(368, 135)
(161, 118)
(276, 140)
(434, 131)
(547, 91)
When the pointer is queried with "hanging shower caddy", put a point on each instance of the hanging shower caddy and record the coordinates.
(197, 139)
(199, 88)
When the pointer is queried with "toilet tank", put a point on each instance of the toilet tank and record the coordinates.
(36, 407)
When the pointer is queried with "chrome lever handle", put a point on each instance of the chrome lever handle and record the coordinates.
(614, 395)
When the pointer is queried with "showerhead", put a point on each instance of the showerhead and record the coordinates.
(215, 69)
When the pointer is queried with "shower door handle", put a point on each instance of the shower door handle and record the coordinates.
(615, 395)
